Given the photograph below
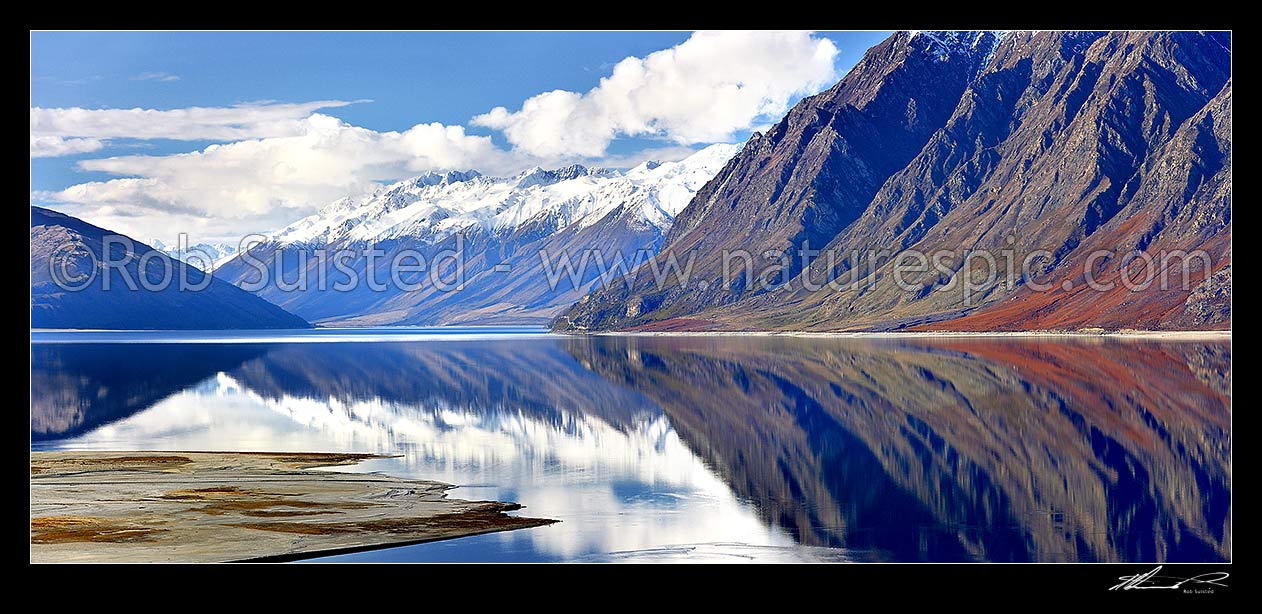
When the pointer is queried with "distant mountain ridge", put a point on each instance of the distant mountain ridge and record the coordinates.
(69, 250)
(1070, 142)
(504, 222)
(201, 255)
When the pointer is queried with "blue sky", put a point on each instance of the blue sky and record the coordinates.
(127, 169)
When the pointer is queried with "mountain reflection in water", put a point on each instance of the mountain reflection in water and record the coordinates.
(805, 449)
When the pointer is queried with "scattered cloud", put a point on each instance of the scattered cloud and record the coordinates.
(62, 81)
(52, 146)
(156, 76)
(258, 184)
(274, 162)
(243, 121)
(700, 91)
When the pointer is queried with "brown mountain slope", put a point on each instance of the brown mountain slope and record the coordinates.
(806, 179)
(1065, 145)
(1183, 203)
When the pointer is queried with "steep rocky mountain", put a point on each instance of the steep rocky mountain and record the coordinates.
(1046, 146)
(512, 234)
(75, 252)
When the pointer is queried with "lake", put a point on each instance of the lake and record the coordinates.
(703, 448)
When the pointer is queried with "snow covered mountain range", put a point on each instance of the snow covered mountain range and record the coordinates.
(503, 226)
(200, 255)
(436, 205)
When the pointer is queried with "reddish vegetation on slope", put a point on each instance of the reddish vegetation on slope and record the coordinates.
(676, 325)
(1082, 307)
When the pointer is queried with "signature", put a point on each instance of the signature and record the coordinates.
(1152, 580)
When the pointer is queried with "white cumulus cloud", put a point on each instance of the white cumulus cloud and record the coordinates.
(700, 91)
(53, 146)
(261, 183)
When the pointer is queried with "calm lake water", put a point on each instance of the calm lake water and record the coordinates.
(704, 448)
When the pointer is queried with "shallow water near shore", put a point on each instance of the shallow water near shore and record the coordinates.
(704, 448)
